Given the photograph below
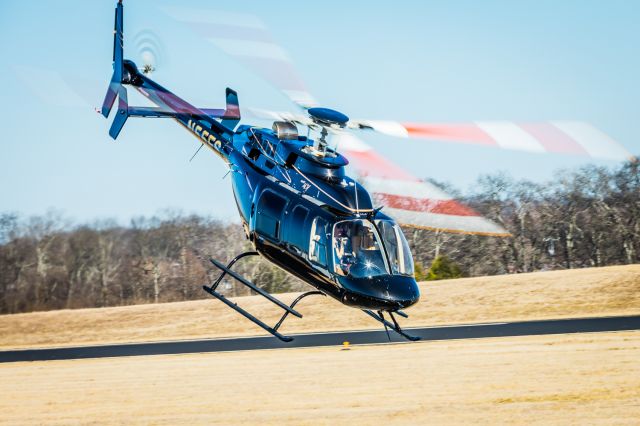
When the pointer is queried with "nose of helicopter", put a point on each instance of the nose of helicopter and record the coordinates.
(404, 293)
(382, 293)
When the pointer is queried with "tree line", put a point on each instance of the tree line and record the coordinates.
(584, 218)
(588, 217)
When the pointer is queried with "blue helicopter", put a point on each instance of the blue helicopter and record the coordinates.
(298, 207)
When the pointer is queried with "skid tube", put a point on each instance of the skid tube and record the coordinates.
(394, 327)
(288, 309)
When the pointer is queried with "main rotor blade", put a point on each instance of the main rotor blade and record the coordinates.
(564, 137)
(410, 201)
(246, 39)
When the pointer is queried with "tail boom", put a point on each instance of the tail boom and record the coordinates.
(203, 123)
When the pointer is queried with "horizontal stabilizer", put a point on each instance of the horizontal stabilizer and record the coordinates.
(151, 112)
(125, 111)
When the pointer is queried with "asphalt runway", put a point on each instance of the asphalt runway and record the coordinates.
(450, 332)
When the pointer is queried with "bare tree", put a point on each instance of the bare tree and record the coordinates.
(586, 217)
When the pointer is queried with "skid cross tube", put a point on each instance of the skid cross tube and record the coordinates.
(299, 298)
(254, 287)
(227, 270)
(395, 326)
(230, 264)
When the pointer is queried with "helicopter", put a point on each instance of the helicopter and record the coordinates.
(298, 207)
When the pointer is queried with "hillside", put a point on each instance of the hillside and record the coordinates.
(605, 291)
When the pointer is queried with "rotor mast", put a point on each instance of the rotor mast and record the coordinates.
(326, 119)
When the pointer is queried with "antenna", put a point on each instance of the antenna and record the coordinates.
(197, 151)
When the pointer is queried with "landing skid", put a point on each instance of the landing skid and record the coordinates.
(379, 316)
(288, 309)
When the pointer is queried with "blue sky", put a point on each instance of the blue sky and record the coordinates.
(431, 61)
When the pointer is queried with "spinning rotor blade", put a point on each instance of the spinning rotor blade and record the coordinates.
(566, 137)
(263, 114)
(66, 88)
(71, 90)
(410, 201)
(247, 40)
(557, 137)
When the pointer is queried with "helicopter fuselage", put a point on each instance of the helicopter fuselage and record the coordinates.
(298, 207)
(290, 198)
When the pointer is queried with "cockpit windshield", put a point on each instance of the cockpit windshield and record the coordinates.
(397, 247)
(357, 250)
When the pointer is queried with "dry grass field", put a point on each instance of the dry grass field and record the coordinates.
(556, 379)
(562, 379)
(559, 294)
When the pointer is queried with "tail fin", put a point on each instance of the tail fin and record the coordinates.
(115, 86)
(123, 112)
(231, 116)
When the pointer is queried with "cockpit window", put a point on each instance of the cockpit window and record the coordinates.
(397, 247)
(357, 250)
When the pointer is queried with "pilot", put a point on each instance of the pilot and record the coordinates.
(343, 251)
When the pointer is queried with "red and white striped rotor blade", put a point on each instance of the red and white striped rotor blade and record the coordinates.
(246, 39)
(565, 137)
(410, 201)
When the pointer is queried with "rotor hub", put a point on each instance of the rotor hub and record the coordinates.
(326, 118)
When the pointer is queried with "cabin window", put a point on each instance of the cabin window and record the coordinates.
(298, 236)
(318, 242)
(254, 154)
(269, 215)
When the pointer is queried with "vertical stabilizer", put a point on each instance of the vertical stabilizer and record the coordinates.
(231, 116)
(118, 64)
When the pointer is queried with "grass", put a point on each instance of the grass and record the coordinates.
(561, 379)
(605, 291)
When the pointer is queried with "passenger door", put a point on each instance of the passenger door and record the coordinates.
(269, 215)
